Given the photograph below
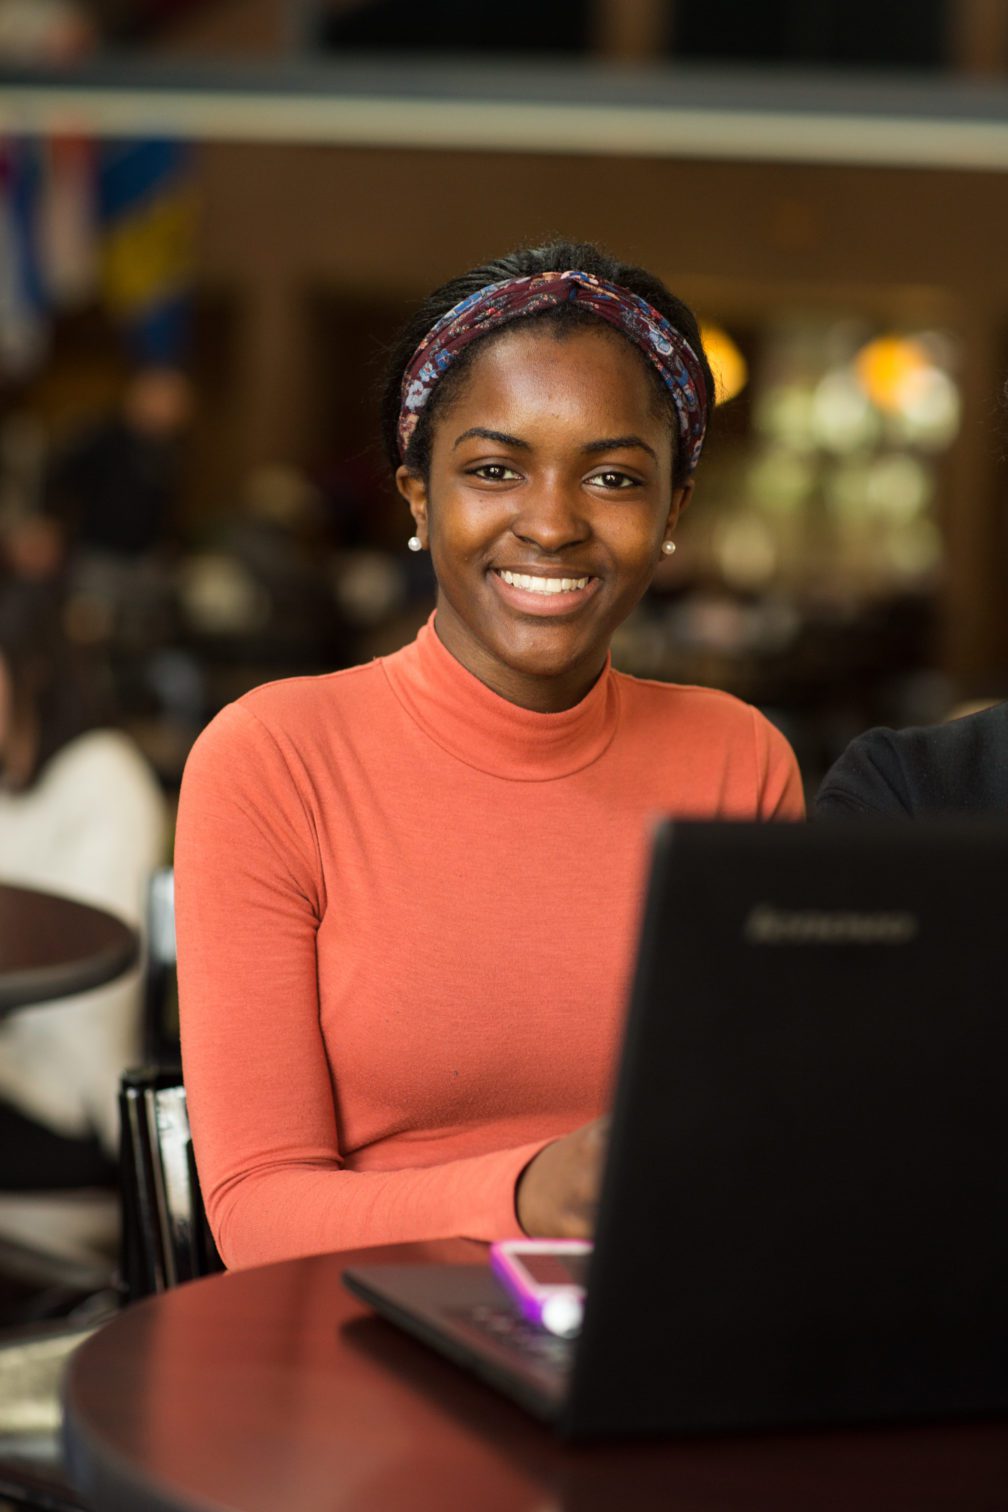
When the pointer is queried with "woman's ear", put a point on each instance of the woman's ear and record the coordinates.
(681, 498)
(414, 490)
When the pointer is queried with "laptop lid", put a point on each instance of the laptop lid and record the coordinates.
(803, 1217)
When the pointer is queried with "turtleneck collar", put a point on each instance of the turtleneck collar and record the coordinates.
(479, 727)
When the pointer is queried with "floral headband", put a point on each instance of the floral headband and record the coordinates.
(496, 304)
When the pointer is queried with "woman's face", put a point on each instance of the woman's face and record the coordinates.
(549, 497)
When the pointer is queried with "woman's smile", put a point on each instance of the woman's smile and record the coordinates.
(553, 592)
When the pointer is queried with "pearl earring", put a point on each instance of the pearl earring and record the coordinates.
(415, 544)
(668, 547)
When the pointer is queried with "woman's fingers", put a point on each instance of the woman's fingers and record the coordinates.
(557, 1194)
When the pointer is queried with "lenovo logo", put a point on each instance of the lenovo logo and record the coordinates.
(768, 925)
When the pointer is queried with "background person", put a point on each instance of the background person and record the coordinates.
(80, 815)
(114, 487)
(408, 892)
(956, 768)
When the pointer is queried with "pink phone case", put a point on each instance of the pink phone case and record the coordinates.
(554, 1306)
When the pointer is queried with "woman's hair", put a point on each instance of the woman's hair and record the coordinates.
(49, 691)
(525, 262)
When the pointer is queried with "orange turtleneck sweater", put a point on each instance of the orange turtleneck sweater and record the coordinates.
(407, 911)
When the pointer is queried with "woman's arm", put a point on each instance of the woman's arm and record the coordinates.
(249, 898)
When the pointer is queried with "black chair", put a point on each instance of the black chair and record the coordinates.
(160, 1000)
(166, 1239)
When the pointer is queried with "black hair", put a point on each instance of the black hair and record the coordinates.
(524, 262)
(50, 690)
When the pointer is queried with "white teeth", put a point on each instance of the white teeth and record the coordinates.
(543, 584)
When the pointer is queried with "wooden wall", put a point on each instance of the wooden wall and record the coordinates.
(282, 223)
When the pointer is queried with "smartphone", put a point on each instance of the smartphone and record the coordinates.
(547, 1279)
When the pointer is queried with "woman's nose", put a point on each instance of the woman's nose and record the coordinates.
(551, 517)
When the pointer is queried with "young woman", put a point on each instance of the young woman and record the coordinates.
(408, 892)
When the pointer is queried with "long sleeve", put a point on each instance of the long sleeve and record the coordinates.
(249, 900)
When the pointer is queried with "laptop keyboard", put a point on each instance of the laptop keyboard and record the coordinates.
(510, 1330)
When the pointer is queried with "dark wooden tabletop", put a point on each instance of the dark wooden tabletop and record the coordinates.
(275, 1389)
(52, 947)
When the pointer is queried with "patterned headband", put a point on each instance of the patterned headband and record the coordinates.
(496, 304)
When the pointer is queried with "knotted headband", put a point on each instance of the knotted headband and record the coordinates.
(665, 348)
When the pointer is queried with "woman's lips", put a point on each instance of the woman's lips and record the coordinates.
(545, 594)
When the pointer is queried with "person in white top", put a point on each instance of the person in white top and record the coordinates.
(80, 814)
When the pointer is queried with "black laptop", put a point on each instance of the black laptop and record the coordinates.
(804, 1217)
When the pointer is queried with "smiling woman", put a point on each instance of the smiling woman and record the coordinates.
(546, 523)
(408, 892)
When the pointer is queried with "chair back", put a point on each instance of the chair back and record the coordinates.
(160, 1006)
(166, 1239)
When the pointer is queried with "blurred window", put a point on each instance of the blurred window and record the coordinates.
(901, 33)
(458, 25)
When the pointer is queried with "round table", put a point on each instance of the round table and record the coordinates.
(52, 947)
(274, 1389)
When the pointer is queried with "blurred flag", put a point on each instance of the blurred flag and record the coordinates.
(47, 191)
(23, 302)
(148, 217)
(67, 221)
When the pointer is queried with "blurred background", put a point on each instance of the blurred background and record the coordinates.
(214, 214)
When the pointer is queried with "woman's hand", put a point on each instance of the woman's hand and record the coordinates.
(557, 1193)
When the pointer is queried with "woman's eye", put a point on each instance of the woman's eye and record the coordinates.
(612, 479)
(494, 472)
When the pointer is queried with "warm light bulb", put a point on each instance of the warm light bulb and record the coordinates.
(887, 367)
(731, 372)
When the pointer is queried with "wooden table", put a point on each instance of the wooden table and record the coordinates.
(52, 947)
(274, 1390)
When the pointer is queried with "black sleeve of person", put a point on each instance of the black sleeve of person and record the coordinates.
(955, 768)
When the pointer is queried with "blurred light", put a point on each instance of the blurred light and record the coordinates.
(886, 365)
(746, 551)
(916, 551)
(899, 487)
(220, 597)
(784, 412)
(843, 418)
(846, 489)
(369, 586)
(730, 369)
(929, 415)
(280, 495)
(781, 481)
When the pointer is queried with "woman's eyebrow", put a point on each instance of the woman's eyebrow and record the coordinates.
(501, 437)
(618, 443)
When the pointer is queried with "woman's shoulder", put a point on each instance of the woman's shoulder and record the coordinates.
(291, 715)
(957, 767)
(689, 704)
